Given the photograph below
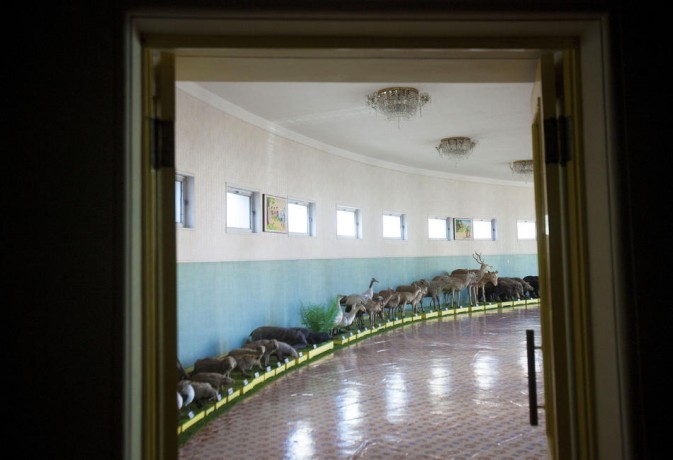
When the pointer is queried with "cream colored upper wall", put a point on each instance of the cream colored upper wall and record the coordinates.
(219, 150)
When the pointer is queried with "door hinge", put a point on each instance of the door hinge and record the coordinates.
(557, 140)
(163, 144)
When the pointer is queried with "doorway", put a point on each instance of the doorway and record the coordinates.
(586, 427)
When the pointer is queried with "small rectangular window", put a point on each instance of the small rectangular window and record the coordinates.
(179, 201)
(484, 229)
(301, 217)
(348, 222)
(439, 228)
(184, 208)
(394, 226)
(242, 210)
(525, 230)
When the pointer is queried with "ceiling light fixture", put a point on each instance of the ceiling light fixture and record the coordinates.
(522, 167)
(456, 147)
(398, 102)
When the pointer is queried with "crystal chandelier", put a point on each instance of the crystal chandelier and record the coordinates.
(455, 147)
(398, 102)
(522, 167)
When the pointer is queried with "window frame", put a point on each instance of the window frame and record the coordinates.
(448, 228)
(402, 225)
(492, 231)
(187, 202)
(357, 218)
(518, 232)
(310, 217)
(255, 209)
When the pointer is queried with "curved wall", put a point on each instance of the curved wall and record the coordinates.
(230, 283)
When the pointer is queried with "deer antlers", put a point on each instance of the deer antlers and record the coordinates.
(480, 259)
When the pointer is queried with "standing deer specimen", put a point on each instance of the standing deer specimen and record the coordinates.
(413, 287)
(489, 277)
(453, 284)
(479, 272)
(410, 298)
(393, 303)
(435, 289)
(375, 307)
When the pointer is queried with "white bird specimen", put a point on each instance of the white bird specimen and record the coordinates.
(187, 392)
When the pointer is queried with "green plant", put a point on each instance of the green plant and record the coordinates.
(318, 317)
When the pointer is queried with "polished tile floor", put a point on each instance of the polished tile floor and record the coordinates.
(436, 389)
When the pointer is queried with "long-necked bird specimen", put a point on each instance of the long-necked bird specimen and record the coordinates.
(358, 299)
(345, 319)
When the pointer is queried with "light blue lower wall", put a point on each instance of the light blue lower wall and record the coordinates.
(220, 303)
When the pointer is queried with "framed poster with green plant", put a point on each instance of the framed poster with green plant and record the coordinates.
(462, 229)
(275, 214)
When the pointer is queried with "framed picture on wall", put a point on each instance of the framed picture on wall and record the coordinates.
(275, 214)
(462, 229)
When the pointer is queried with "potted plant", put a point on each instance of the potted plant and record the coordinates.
(318, 317)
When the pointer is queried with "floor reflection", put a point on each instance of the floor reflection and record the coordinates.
(437, 389)
(299, 443)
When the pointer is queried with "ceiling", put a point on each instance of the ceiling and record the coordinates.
(320, 98)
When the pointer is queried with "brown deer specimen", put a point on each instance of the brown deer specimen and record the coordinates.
(473, 287)
(452, 284)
